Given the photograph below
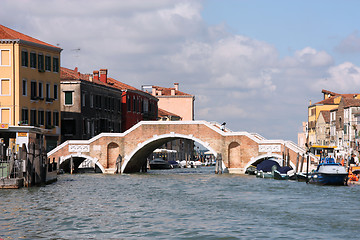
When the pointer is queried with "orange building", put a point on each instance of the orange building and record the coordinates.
(29, 89)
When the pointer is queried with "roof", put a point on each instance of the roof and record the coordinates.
(120, 85)
(326, 116)
(351, 102)
(69, 74)
(7, 33)
(164, 113)
(330, 100)
(73, 74)
(167, 91)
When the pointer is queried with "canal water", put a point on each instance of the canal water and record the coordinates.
(179, 204)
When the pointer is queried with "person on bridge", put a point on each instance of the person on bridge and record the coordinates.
(222, 128)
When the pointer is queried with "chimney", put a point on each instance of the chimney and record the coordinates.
(96, 75)
(153, 91)
(176, 86)
(76, 69)
(103, 75)
(90, 77)
(172, 92)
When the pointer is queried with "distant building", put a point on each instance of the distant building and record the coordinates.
(95, 103)
(302, 135)
(173, 100)
(323, 128)
(90, 104)
(164, 115)
(330, 102)
(345, 124)
(138, 105)
(29, 89)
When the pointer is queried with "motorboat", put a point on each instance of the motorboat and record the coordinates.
(329, 172)
(158, 163)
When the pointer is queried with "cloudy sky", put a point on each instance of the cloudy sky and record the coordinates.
(254, 64)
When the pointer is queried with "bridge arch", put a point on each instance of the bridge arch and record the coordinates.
(86, 157)
(268, 155)
(145, 148)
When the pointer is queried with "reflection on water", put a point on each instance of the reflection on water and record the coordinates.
(179, 204)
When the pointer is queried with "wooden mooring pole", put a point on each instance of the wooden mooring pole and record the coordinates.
(218, 164)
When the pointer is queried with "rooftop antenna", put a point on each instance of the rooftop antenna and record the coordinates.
(76, 55)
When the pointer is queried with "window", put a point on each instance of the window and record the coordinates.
(32, 117)
(128, 103)
(119, 105)
(83, 99)
(48, 119)
(24, 116)
(33, 95)
(5, 87)
(5, 115)
(68, 98)
(41, 117)
(48, 99)
(56, 118)
(33, 60)
(41, 63)
(47, 63)
(55, 64)
(134, 104)
(91, 100)
(4, 57)
(24, 58)
(55, 91)
(41, 96)
(24, 87)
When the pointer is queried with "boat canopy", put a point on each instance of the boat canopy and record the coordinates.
(266, 166)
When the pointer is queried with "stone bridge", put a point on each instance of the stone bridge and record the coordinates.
(238, 149)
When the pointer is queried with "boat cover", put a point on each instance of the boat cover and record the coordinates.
(266, 166)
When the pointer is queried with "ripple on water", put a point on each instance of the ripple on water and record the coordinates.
(178, 204)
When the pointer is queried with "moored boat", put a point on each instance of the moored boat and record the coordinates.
(329, 172)
(280, 176)
(159, 163)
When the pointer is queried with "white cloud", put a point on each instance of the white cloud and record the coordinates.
(343, 78)
(235, 78)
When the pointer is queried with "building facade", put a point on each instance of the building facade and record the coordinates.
(173, 100)
(90, 105)
(95, 103)
(323, 128)
(345, 125)
(330, 102)
(29, 89)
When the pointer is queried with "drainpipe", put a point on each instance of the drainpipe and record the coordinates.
(13, 83)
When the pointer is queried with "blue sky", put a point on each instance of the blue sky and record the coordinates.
(253, 64)
(289, 25)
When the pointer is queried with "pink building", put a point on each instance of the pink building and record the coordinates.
(173, 100)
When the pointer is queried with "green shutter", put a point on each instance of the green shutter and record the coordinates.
(68, 98)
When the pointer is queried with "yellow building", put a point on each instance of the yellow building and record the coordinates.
(29, 89)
